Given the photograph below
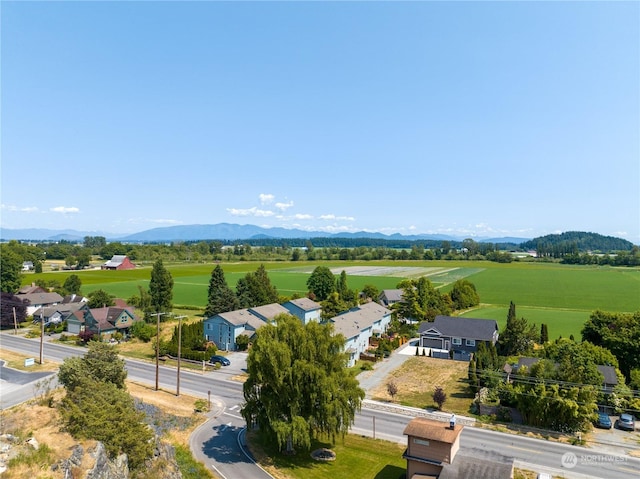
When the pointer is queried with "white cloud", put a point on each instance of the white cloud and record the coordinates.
(301, 216)
(266, 199)
(22, 209)
(65, 209)
(284, 206)
(336, 218)
(250, 212)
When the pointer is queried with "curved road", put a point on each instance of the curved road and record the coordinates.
(217, 444)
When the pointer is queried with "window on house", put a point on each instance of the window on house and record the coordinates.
(471, 342)
(423, 442)
(456, 341)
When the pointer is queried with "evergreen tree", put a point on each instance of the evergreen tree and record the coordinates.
(255, 289)
(96, 405)
(100, 363)
(221, 297)
(544, 334)
(518, 336)
(473, 376)
(347, 295)
(161, 289)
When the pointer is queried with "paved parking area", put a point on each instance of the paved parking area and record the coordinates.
(615, 440)
(237, 367)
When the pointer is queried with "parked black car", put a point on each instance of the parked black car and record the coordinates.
(219, 359)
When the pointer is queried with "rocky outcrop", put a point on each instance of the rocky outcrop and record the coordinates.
(105, 468)
(163, 461)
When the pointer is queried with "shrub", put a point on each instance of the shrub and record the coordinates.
(366, 366)
(242, 341)
(143, 331)
(439, 397)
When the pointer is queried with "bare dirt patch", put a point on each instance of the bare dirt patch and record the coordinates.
(419, 376)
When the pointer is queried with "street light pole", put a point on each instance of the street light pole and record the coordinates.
(179, 352)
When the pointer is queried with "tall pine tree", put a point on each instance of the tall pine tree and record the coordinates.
(518, 336)
(221, 297)
(255, 289)
(161, 289)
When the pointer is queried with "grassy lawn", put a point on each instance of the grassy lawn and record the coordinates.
(357, 457)
(559, 321)
(419, 376)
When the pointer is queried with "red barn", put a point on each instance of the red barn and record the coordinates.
(118, 261)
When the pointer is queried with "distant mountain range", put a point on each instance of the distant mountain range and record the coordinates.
(222, 232)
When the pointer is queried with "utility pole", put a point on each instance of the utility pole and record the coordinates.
(15, 322)
(42, 338)
(179, 352)
(158, 347)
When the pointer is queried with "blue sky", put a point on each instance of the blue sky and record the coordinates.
(471, 119)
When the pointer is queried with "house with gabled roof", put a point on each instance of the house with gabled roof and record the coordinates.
(305, 309)
(32, 288)
(34, 301)
(74, 298)
(458, 336)
(224, 328)
(58, 313)
(109, 320)
(118, 262)
(389, 297)
(268, 312)
(359, 325)
(609, 374)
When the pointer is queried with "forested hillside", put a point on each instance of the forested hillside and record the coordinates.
(575, 242)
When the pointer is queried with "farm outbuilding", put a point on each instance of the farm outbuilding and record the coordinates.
(118, 262)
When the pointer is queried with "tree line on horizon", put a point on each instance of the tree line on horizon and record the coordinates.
(569, 248)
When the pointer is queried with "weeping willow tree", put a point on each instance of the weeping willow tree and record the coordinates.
(298, 386)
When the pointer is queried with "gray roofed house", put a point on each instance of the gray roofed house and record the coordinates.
(224, 328)
(610, 376)
(58, 313)
(269, 311)
(358, 325)
(460, 335)
(390, 296)
(74, 298)
(608, 372)
(38, 300)
(304, 309)
(30, 289)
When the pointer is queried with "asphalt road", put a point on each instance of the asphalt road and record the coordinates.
(220, 440)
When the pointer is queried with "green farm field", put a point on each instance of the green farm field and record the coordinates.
(562, 296)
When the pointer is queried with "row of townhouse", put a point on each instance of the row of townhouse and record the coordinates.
(357, 325)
